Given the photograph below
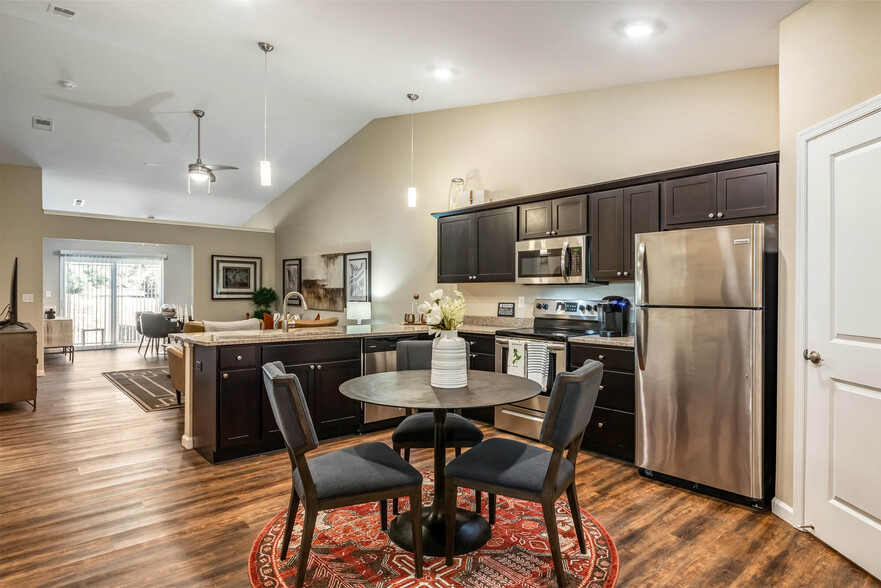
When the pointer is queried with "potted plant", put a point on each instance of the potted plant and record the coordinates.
(263, 299)
(449, 362)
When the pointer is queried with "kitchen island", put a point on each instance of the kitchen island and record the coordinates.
(227, 413)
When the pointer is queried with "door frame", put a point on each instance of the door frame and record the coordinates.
(795, 514)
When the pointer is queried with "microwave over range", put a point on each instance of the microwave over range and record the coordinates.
(557, 260)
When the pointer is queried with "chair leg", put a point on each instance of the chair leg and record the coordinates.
(293, 505)
(141, 343)
(178, 396)
(572, 493)
(478, 499)
(458, 451)
(305, 544)
(407, 455)
(383, 514)
(395, 505)
(416, 513)
(492, 509)
(547, 510)
(450, 503)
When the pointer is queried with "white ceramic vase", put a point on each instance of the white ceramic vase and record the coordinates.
(449, 362)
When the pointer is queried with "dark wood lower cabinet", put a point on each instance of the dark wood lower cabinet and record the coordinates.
(612, 427)
(232, 416)
(483, 358)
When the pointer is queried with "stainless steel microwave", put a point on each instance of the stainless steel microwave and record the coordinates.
(558, 260)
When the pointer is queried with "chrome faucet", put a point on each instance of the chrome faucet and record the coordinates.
(284, 309)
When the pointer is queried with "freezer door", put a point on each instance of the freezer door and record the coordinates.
(713, 267)
(699, 396)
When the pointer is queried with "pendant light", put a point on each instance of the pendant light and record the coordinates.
(411, 191)
(265, 167)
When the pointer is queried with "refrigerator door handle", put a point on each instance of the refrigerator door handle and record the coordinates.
(564, 261)
(641, 283)
(641, 335)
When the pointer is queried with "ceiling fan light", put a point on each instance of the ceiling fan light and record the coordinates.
(199, 176)
(265, 173)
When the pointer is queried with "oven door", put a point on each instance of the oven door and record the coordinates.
(556, 364)
(560, 260)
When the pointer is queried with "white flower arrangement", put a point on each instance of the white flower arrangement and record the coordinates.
(443, 313)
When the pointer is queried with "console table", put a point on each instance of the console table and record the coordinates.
(18, 364)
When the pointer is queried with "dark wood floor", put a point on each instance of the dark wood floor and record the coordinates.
(96, 492)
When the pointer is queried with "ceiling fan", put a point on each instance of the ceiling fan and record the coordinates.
(199, 172)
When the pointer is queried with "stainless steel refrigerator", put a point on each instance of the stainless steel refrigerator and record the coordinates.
(706, 358)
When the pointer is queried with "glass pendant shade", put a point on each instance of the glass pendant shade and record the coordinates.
(411, 197)
(265, 173)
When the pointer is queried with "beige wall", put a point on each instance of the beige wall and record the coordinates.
(24, 225)
(829, 61)
(356, 198)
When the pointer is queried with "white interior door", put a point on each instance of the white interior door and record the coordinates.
(842, 493)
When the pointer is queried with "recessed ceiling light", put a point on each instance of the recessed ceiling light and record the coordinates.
(640, 27)
(442, 73)
(67, 84)
(79, 202)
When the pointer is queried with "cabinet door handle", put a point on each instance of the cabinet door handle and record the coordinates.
(600, 425)
(601, 387)
(626, 274)
(238, 358)
(719, 215)
(711, 215)
(602, 357)
(547, 232)
(619, 274)
(318, 367)
(312, 367)
(553, 232)
(473, 355)
(225, 376)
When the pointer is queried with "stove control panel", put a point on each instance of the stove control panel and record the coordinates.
(569, 309)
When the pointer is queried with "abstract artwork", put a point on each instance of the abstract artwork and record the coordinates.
(292, 274)
(234, 276)
(323, 282)
(357, 277)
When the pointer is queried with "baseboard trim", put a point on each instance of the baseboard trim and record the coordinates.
(783, 510)
(186, 441)
(41, 372)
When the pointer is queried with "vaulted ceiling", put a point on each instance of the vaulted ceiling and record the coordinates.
(140, 68)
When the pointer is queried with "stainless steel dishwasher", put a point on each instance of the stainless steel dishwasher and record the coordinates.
(380, 355)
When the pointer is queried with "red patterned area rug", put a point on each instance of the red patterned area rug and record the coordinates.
(349, 550)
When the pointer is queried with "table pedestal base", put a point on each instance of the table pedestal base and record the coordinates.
(472, 531)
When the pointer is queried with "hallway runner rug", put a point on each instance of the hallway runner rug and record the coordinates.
(151, 389)
(350, 550)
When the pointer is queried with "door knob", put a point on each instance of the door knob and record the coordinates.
(813, 357)
(711, 215)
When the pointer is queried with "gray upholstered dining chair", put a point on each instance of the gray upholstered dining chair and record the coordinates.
(354, 475)
(154, 326)
(417, 430)
(520, 470)
(140, 332)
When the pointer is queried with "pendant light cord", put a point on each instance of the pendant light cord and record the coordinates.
(265, 97)
(412, 102)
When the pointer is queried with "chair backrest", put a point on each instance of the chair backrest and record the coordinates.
(289, 407)
(571, 404)
(154, 325)
(416, 355)
(138, 314)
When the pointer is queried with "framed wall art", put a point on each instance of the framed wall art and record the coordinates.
(323, 282)
(233, 276)
(292, 279)
(357, 276)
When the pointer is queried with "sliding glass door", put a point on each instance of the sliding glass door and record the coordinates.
(103, 294)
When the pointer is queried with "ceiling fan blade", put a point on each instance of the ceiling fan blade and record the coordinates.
(154, 164)
(220, 167)
(213, 177)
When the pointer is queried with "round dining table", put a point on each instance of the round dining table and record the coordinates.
(412, 389)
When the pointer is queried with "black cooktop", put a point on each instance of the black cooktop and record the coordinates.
(546, 333)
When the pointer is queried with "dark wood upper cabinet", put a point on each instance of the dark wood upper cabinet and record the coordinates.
(557, 217)
(495, 234)
(641, 215)
(454, 248)
(607, 235)
(536, 220)
(477, 247)
(689, 200)
(747, 192)
(615, 217)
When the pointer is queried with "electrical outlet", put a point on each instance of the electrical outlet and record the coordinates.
(521, 301)
(48, 293)
(27, 297)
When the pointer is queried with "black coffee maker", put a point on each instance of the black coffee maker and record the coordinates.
(614, 316)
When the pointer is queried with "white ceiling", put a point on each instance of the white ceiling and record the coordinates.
(141, 67)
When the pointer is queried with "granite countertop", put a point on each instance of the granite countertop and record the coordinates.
(313, 334)
(607, 341)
